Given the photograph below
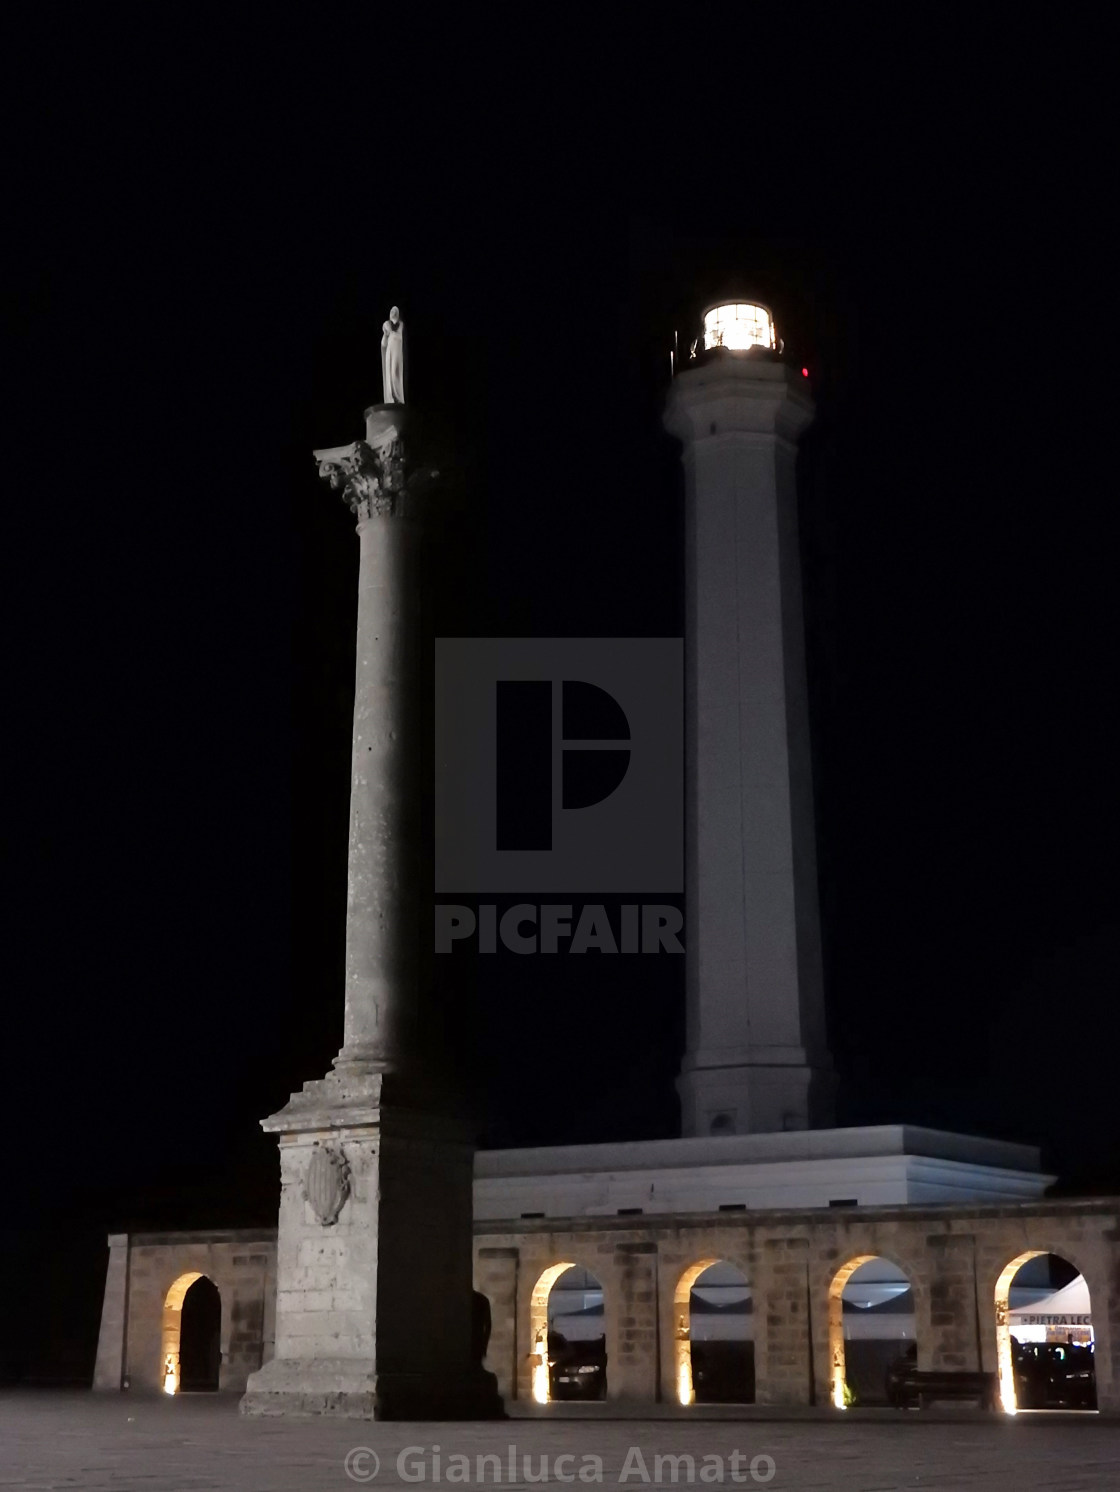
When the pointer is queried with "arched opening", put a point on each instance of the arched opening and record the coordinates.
(566, 1325)
(191, 1341)
(870, 1331)
(1045, 1349)
(714, 1327)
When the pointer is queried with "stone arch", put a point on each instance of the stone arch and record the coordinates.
(682, 1324)
(682, 1327)
(837, 1353)
(539, 1327)
(1005, 1365)
(171, 1333)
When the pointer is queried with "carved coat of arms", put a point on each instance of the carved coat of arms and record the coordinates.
(327, 1184)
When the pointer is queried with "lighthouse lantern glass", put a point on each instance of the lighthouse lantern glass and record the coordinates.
(738, 327)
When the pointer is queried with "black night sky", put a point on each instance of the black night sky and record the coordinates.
(211, 228)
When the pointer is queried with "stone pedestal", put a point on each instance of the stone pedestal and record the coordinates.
(756, 1058)
(374, 1302)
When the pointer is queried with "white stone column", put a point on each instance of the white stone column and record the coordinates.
(374, 1311)
(756, 1058)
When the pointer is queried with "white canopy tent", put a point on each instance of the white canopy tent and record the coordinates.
(1064, 1313)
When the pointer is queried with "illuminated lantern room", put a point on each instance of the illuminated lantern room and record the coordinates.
(737, 326)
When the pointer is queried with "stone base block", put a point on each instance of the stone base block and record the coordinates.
(351, 1388)
(375, 1310)
(327, 1385)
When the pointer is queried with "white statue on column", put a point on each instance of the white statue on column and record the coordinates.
(392, 358)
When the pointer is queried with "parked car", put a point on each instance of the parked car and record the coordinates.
(1054, 1375)
(577, 1370)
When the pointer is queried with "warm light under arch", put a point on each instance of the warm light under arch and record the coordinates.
(682, 1327)
(836, 1350)
(172, 1327)
(1005, 1363)
(538, 1328)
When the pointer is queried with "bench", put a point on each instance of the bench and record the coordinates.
(982, 1389)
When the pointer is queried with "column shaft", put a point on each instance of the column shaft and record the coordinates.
(382, 923)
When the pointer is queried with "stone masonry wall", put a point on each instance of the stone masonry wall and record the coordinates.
(953, 1257)
(240, 1263)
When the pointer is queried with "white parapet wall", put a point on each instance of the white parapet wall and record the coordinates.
(883, 1165)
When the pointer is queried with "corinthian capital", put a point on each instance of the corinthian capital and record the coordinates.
(369, 478)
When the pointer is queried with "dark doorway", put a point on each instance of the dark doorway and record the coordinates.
(200, 1338)
(721, 1336)
(577, 1342)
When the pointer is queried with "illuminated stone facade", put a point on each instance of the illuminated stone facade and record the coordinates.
(956, 1259)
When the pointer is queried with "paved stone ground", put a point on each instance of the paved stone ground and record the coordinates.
(200, 1444)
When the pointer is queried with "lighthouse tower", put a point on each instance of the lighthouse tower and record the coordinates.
(756, 1058)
